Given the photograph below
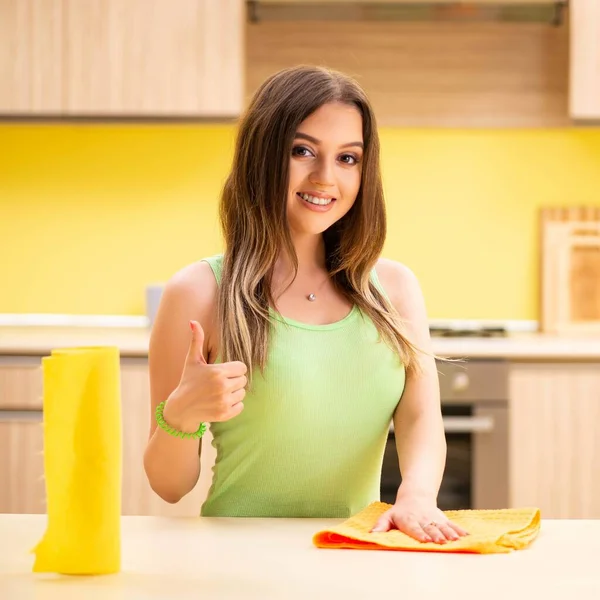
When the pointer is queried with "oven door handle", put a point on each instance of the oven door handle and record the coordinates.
(465, 424)
(478, 424)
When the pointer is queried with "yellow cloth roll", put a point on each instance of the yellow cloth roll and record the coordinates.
(490, 532)
(82, 462)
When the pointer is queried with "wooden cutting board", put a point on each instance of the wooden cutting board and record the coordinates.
(570, 270)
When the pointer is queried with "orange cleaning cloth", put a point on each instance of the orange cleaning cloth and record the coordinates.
(490, 532)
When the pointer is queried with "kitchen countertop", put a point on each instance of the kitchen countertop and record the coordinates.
(133, 341)
(521, 346)
(164, 558)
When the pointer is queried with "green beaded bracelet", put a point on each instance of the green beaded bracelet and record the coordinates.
(180, 434)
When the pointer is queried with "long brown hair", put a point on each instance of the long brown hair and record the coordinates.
(254, 219)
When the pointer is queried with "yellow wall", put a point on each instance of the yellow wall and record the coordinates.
(89, 214)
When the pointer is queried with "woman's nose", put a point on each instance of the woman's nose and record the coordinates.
(323, 174)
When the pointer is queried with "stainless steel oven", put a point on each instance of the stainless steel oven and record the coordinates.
(474, 398)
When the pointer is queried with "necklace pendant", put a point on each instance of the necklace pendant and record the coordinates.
(311, 297)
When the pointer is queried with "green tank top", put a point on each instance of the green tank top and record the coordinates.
(311, 437)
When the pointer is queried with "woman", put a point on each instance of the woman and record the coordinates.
(305, 344)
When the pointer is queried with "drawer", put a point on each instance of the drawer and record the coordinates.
(473, 381)
(21, 382)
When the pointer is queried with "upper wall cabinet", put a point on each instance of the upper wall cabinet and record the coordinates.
(109, 58)
(584, 92)
(427, 73)
(31, 66)
(153, 57)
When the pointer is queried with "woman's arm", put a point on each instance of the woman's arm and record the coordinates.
(418, 424)
(172, 464)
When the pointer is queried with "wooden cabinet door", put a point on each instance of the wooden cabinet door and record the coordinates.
(31, 57)
(21, 383)
(584, 57)
(138, 496)
(22, 486)
(554, 430)
(154, 57)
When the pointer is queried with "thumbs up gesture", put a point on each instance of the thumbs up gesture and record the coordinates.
(206, 393)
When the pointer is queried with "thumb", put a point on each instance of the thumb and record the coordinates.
(384, 523)
(196, 351)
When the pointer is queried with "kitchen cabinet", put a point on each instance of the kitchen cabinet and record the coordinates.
(426, 2)
(138, 497)
(21, 437)
(584, 92)
(108, 58)
(554, 427)
(31, 67)
(21, 384)
(429, 74)
(21, 442)
(22, 488)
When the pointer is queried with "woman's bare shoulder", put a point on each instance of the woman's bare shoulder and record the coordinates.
(189, 294)
(399, 282)
(194, 283)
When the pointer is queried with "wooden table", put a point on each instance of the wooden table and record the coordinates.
(209, 558)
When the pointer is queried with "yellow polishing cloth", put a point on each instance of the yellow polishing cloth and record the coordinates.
(490, 532)
(82, 462)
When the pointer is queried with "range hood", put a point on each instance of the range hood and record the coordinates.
(547, 11)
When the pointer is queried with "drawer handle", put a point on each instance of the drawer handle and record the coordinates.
(12, 416)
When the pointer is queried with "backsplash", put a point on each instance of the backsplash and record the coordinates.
(90, 215)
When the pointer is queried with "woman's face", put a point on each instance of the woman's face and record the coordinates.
(325, 168)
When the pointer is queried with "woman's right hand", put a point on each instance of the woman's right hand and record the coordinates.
(206, 393)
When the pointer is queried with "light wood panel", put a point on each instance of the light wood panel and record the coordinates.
(493, 2)
(31, 57)
(570, 269)
(555, 439)
(430, 74)
(584, 97)
(21, 383)
(221, 80)
(21, 442)
(138, 497)
(22, 485)
(153, 57)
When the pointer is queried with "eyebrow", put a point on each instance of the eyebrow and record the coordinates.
(310, 138)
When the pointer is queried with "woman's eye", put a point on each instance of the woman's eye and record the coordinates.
(301, 151)
(349, 159)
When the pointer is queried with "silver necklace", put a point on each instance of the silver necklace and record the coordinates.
(312, 296)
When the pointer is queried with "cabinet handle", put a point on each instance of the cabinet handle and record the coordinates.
(31, 416)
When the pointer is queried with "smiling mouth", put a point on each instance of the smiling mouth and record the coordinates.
(316, 200)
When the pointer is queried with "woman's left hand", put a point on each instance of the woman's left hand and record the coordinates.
(420, 518)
